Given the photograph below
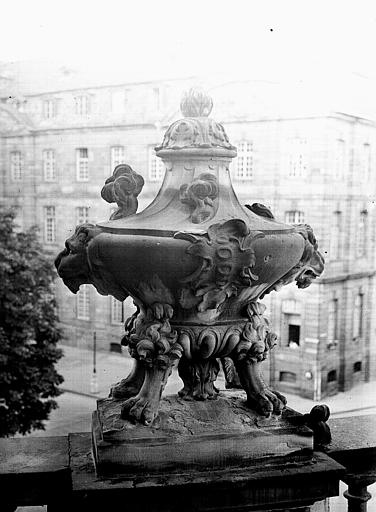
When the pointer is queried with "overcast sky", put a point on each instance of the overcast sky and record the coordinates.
(282, 38)
(325, 46)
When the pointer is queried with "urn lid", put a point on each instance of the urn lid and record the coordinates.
(196, 130)
(196, 191)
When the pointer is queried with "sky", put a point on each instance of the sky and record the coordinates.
(326, 45)
(287, 37)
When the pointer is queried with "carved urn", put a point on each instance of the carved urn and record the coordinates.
(196, 262)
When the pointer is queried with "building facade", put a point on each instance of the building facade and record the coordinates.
(58, 147)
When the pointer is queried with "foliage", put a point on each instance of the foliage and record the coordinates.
(28, 330)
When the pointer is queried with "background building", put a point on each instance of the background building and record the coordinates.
(61, 139)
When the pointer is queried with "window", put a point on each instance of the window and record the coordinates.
(294, 336)
(117, 156)
(49, 224)
(287, 377)
(83, 302)
(49, 109)
(49, 165)
(297, 157)
(294, 217)
(358, 316)
(244, 161)
(332, 376)
(82, 214)
(340, 158)
(366, 161)
(333, 321)
(82, 164)
(357, 367)
(292, 320)
(361, 234)
(82, 105)
(16, 165)
(335, 237)
(117, 311)
(156, 167)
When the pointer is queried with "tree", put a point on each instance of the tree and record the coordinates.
(28, 330)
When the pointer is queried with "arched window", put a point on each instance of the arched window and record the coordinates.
(332, 376)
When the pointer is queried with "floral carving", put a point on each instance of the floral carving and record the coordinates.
(195, 132)
(201, 195)
(203, 346)
(227, 261)
(122, 188)
(196, 103)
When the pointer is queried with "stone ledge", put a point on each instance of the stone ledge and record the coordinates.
(193, 434)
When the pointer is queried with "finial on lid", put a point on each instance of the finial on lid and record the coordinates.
(196, 103)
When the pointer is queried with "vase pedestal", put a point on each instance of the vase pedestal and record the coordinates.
(211, 434)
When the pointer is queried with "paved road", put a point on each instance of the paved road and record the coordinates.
(76, 367)
(77, 403)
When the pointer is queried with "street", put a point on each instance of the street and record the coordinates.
(78, 401)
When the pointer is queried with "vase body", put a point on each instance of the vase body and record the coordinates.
(195, 263)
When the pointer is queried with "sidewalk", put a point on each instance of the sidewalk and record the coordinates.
(77, 366)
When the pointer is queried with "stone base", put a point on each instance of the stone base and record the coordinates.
(213, 434)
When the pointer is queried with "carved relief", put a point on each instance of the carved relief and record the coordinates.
(153, 344)
(72, 263)
(201, 195)
(75, 267)
(257, 340)
(122, 188)
(192, 132)
(227, 259)
(203, 346)
(310, 266)
(196, 103)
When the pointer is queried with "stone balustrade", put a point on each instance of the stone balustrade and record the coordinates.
(59, 472)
